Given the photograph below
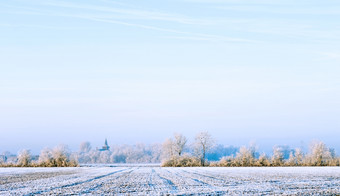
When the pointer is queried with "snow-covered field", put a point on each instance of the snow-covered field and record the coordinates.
(138, 180)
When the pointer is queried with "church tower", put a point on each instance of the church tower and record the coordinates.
(105, 147)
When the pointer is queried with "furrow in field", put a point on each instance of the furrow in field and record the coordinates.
(108, 186)
(151, 184)
(167, 181)
(32, 180)
(29, 176)
(194, 177)
(189, 184)
(78, 183)
(38, 185)
(170, 181)
(137, 180)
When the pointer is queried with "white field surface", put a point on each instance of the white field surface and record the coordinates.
(139, 180)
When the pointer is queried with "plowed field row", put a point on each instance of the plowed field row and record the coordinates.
(169, 181)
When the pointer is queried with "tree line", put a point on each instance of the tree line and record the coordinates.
(318, 155)
(176, 152)
(138, 153)
(59, 156)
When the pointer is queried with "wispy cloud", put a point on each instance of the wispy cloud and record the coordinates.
(240, 2)
(297, 10)
(129, 17)
(132, 13)
(36, 26)
(239, 27)
(194, 38)
(295, 30)
(191, 35)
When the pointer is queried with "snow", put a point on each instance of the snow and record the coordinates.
(139, 180)
(23, 170)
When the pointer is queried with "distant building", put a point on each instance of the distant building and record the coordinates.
(106, 147)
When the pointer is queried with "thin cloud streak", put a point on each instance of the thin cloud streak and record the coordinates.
(198, 36)
(137, 18)
(35, 26)
(202, 36)
(139, 14)
(281, 10)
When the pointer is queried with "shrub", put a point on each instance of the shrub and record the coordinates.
(182, 161)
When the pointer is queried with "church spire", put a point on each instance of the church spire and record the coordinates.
(105, 147)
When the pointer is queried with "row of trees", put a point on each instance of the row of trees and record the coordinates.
(155, 153)
(139, 153)
(177, 152)
(318, 155)
(56, 157)
(176, 155)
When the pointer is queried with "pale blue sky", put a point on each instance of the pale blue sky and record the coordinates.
(137, 71)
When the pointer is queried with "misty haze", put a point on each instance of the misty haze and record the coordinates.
(190, 97)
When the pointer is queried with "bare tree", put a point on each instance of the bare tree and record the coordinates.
(104, 157)
(179, 142)
(277, 158)
(263, 160)
(61, 157)
(45, 158)
(292, 161)
(174, 146)
(319, 154)
(245, 157)
(168, 148)
(24, 158)
(156, 150)
(299, 156)
(203, 143)
(85, 147)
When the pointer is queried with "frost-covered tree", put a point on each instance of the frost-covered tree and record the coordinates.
(104, 157)
(299, 156)
(119, 154)
(94, 155)
(263, 160)
(203, 143)
(174, 146)
(245, 157)
(24, 158)
(179, 142)
(226, 161)
(291, 160)
(85, 147)
(84, 152)
(319, 154)
(168, 148)
(156, 150)
(61, 157)
(277, 158)
(139, 153)
(45, 158)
